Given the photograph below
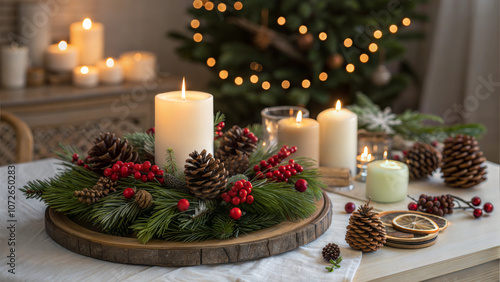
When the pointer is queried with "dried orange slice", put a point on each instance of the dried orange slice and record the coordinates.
(414, 223)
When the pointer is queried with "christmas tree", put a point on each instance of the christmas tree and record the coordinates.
(310, 53)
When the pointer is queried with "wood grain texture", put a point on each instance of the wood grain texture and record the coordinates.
(271, 241)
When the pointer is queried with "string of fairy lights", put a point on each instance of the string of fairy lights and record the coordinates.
(281, 20)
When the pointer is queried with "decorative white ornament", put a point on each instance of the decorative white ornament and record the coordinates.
(381, 76)
(380, 121)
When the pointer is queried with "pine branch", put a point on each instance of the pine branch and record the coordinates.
(143, 143)
(114, 214)
(171, 165)
(67, 152)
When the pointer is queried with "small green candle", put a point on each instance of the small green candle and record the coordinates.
(387, 181)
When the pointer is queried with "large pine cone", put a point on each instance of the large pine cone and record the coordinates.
(108, 149)
(235, 142)
(205, 176)
(365, 231)
(462, 162)
(236, 164)
(422, 160)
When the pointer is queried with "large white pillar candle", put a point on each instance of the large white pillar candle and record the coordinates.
(61, 57)
(85, 77)
(14, 66)
(138, 66)
(387, 181)
(34, 27)
(110, 71)
(300, 132)
(338, 138)
(88, 37)
(183, 122)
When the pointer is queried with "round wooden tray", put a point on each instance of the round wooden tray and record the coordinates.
(271, 241)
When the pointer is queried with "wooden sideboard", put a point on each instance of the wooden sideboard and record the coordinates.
(66, 114)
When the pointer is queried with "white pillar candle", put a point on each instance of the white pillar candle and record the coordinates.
(14, 66)
(88, 37)
(138, 66)
(387, 181)
(338, 138)
(110, 71)
(34, 27)
(183, 122)
(61, 57)
(85, 76)
(300, 132)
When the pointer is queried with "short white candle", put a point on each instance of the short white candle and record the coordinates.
(338, 138)
(110, 71)
(85, 76)
(300, 132)
(387, 181)
(61, 57)
(138, 66)
(88, 37)
(14, 66)
(183, 122)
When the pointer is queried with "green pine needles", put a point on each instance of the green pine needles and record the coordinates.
(274, 202)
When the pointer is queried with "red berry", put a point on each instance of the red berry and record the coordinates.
(270, 161)
(293, 171)
(256, 168)
(249, 190)
(250, 199)
(235, 213)
(276, 173)
(137, 175)
(396, 157)
(268, 167)
(86, 166)
(291, 161)
(243, 200)
(288, 167)
(478, 213)
(161, 172)
(476, 201)
(293, 149)
(269, 175)
(146, 165)
(488, 207)
(116, 168)
(137, 167)
(151, 176)
(259, 175)
(151, 131)
(434, 143)
(412, 206)
(350, 207)
(108, 172)
(222, 124)
(155, 168)
(161, 180)
(75, 157)
(183, 205)
(299, 168)
(301, 185)
(235, 189)
(238, 185)
(128, 193)
(79, 162)
(243, 193)
(235, 201)
(227, 199)
(246, 131)
(282, 169)
(115, 176)
(124, 170)
(123, 174)
(287, 174)
(119, 163)
(255, 139)
(248, 184)
(232, 193)
(263, 163)
(130, 165)
(144, 178)
(223, 195)
(218, 128)
(405, 152)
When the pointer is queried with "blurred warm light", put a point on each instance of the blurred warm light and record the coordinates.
(373, 47)
(323, 76)
(223, 74)
(348, 42)
(254, 78)
(63, 45)
(197, 4)
(349, 68)
(209, 6)
(406, 21)
(195, 23)
(281, 20)
(238, 5)
(238, 80)
(137, 57)
(363, 58)
(322, 36)
(393, 28)
(84, 70)
(197, 37)
(110, 62)
(377, 34)
(210, 62)
(87, 23)
(306, 83)
(303, 29)
(221, 7)
(285, 84)
(266, 85)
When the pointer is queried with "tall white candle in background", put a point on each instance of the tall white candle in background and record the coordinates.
(338, 138)
(85, 77)
(387, 181)
(14, 66)
(88, 37)
(300, 132)
(110, 71)
(183, 122)
(138, 66)
(61, 57)
(34, 27)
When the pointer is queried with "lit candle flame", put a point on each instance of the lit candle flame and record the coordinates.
(338, 105)
(299, 117)
(87, 23)
(263, 144)
(84, 70)
(137, 57)
(385, 155)
(110, 62)
(365, 157)
(183, 89)
(63, 45)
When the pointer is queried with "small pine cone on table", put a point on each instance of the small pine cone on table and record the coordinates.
(107, 150)
(236, 164)
(206, 176)
(235, 142)
(422, 160)
(365, 231)
(331, 251)
(463, 162)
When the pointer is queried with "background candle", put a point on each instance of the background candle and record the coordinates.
(61, 57)
(88, 37)
(138, 66)
(300, 132)
(110, 71)
(184, 125)
(338, 138)
(387, 181)
(85, 76)
(14, 66)
(34, 26)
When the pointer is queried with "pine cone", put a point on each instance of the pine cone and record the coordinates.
(365, 231)
(88, 196)
(106, 185)
(462, 165)
(422, 160)
(236, 164)
(109, 149)
(205, 175)
(235, 142)
(331, 251)
(144, 199)
(172, 182)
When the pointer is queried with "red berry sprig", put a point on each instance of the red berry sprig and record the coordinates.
(250, 135)
(218, 130)
(75, 158)
(144, 172)
(282, 173)
(445, 204)
(239, 193)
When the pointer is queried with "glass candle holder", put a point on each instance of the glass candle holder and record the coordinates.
(271, 116)
(362, 164)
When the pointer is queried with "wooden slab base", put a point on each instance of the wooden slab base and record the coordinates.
(271, 241)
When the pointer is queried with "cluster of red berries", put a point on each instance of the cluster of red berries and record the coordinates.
(250, 135)
(282, 173)
(218, 130)
(151, 131)
(444, 204)
(76, 159)
(144, 172)
(239, 193)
